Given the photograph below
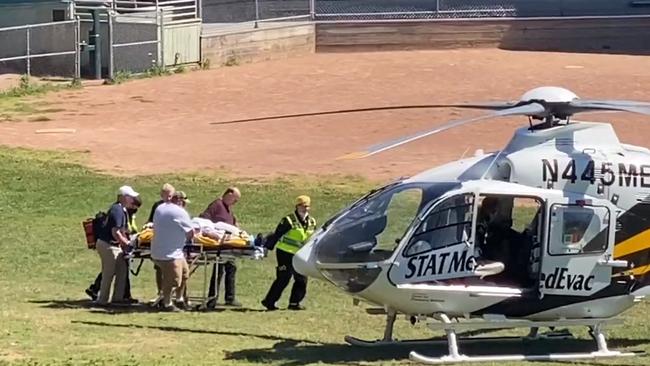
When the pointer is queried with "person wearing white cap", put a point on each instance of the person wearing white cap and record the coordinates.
(111, 243)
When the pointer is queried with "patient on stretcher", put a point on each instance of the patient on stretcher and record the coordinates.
(221, 233)
(211, 235)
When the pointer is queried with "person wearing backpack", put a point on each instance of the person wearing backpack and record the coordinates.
(93, 289)
(112, 243)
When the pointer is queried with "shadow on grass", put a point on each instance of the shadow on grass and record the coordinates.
(66, 304)
(94, 308)
(289, 342)
(342, 353)
(239, 310)
(126, 309)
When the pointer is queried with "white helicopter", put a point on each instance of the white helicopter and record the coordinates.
(553, 230)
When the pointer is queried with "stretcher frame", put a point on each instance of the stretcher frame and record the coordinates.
(197, 255)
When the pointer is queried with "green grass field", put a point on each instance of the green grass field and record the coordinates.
(45, 317)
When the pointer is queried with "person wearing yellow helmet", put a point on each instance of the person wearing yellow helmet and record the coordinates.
(289, 236)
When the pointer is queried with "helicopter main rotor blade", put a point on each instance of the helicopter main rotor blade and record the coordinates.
(323, 113)
(621, 106)
(532, 109)
(490, 106)
(616, 102)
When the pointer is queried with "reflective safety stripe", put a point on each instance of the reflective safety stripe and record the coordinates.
(131, 225)
(291, 241)
(294, 239)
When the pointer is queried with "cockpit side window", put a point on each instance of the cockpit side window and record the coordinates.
(447, 224)
(371, 231)
(401, 210)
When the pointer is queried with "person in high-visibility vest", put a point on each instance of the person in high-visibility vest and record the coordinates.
(289, 236)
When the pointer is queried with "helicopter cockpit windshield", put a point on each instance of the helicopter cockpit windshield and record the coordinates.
(372, 228)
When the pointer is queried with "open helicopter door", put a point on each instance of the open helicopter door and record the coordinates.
(577, 256)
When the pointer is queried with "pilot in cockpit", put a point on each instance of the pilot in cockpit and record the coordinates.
(493, 233)
(499, 242)
(491, 225)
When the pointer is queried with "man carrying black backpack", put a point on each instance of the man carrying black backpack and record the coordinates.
(93, 289)
(112, 243)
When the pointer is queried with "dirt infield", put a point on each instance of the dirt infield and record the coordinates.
(163, 124)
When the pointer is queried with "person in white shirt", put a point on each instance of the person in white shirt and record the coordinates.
(173, 228)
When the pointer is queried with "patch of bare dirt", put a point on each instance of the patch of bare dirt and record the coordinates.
(10, 356)
(8, 81)
(164, 124)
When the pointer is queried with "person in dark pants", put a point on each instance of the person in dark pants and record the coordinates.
(220, 210)
(93, 290)
(290, 235)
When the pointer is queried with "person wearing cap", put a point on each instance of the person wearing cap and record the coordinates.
(289, 236)
(181, 198)
(173, 228)
(112, 242)
(132, 227)
(220, 210)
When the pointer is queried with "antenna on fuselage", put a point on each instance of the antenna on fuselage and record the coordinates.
(464, 152)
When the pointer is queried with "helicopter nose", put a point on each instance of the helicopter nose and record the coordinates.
(304, 262)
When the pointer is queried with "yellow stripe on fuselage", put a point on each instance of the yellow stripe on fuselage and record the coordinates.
(636, 271)
(634, 244)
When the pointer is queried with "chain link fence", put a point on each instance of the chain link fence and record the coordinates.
(412, 9)
(239, 11)
(226, 12)
(46, 49)
(136, 43)
(442, 9)
(130, 43)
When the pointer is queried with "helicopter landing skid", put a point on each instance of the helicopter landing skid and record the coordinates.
(434, 341)
(454, 356)
(389, 340)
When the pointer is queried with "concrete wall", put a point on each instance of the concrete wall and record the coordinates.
(628, 35)
(267, 43)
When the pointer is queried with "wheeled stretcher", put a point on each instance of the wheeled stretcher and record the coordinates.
(202, 252)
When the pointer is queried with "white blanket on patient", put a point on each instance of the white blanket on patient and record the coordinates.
(218, 228)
